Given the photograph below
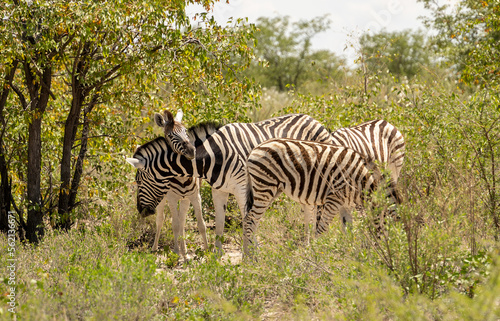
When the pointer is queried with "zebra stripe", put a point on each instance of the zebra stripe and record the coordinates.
(153, 196)
(310, 173)
(221, 158)
(377, 140)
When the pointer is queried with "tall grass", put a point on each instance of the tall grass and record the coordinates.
(439, 261)
(92, 275)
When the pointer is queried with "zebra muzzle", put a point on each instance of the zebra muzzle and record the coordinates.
(190, 153)
(146, 212)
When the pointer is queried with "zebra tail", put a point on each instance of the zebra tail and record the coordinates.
(249, 193)
(391, 187)
(384, 179)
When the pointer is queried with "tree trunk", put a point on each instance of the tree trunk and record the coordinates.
(35, 214)
(79, 93)
(70, 129)
(5, 186)
(83, 152)
(5, 191)
(39, 93)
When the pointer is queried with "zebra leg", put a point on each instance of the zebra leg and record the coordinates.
(183, 209)
(220, 203)
(331, 207)
(160, 219)
(177, 224)
(308, 220)
(250, 224)
(345, 217)
(261, 202)
(196, 201)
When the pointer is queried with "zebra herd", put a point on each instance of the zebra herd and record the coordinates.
(256, 162)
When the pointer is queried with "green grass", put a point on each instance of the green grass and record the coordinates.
(93, 274)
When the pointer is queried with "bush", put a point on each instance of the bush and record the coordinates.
(440, 260)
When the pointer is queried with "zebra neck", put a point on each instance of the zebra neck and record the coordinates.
(201, 164)
(209, 161)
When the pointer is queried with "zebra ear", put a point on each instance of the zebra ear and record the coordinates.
(168, 122)
(137, 163)
(178, 117)
(169, 118)
(159, 120)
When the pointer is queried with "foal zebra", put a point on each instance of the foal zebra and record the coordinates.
(152, 197)
(378, 141)
(220, 159)
(309, 173)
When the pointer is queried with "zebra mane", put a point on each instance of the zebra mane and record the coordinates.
(365, 123)
(206, 126)
(332, 131)
(198, 133)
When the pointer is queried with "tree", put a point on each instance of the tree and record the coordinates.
(86, 63)
(468, 36)
(5, 182)
(403, 53)
(285, 47)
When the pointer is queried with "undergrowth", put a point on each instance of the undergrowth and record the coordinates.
(439, 261)
(93, 275)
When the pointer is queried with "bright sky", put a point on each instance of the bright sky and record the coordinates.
(350, 18)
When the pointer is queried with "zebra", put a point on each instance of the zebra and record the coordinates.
(183, 190)
(221, 156)
(310, 173)
(377, 140)
(152, 197)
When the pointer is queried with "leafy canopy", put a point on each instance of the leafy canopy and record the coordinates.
(468, 36)
(403, 53)
(107, 66)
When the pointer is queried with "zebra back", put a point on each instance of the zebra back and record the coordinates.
(310, 173)
(377, 140)
(221, 157)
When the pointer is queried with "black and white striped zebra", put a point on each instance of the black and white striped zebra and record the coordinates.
(180, 190)
(310, 173)
(221, 158)
(152, 197)
(377, 140)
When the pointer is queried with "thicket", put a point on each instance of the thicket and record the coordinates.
(440, 261)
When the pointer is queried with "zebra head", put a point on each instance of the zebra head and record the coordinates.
(149, 193)
(152, 180)
(175, 133)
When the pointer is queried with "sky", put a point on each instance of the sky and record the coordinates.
(350, 18)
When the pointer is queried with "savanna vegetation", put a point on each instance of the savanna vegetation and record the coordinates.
(80, 82)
